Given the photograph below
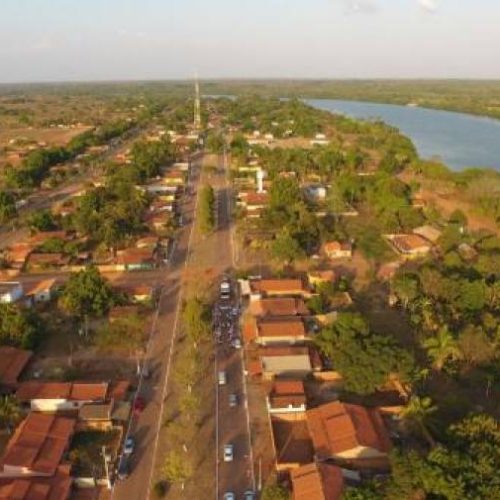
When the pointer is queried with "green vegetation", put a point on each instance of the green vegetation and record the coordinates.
(87, 293)
(206, 211)
(7, 207)
(274, 492)
(366, 361)
(10, 412)
(19, 327)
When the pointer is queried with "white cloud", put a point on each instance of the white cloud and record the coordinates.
(428, 5)
(360, 6)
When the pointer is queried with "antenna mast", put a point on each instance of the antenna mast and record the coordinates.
(197, 105)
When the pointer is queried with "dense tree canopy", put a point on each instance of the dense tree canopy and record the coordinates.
(19, 327)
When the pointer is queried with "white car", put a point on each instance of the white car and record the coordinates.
(236, 343)
(128, 447)
(229, 495)
(228, 453)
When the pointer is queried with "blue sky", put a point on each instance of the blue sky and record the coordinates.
(52, 40)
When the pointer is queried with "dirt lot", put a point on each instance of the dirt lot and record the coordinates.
(52, 136)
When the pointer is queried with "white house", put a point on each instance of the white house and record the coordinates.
(10, 291)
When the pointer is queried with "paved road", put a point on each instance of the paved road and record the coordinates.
(232, 423)
(146, 426)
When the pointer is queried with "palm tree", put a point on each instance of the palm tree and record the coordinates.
(417, 412)
(10, 413)
(442, 348)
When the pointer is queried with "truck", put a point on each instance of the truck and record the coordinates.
(225, 290)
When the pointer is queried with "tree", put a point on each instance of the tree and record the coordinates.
(405, 286)
(42, 221)
(441, 348)
(87, 293)
(7, 207)
(417, 412)
(215, 143)
(19, 327)
(195, 319)
(286, 248)
(285, 192)
(475, 346)
(177, 467)
(10, 412)
(366, 361)
(274, 492)
(206, 209)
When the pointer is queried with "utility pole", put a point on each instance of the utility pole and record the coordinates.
(197, 104)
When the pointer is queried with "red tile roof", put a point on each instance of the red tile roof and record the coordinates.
(287, 386)
(76, 391)
(39, 443)
(57, 487)
(285, 393)
(286, 306)
(293, 327)
(337, 246)
(135, 256)
(270, 286)
(12, 363)
(338, 427)
(118, 390)
(407, 243)
(317, 482)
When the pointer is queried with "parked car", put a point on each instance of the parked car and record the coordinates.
(236, 343)
(129, 446)
(228, 453)
(222, 377)
(124, 467)
(139, 405)
(229, 495)
(249, 495)
(233, 400)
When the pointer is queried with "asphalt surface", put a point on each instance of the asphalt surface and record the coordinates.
(145, 426)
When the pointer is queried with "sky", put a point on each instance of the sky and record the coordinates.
(75, 40)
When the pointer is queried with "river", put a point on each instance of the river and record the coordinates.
(458, 140)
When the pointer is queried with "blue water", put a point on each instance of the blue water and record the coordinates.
(457, 139)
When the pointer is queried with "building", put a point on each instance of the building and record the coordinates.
(276, 331)
(135, 259)
(346, 431)
(18, 255)
(42, 291)
(12, 363)
(60, 396)
(56, 487)
(316, 193)
(277, 288)
(428, 232)
(317, 481)
(138, 293)
(286, 396)
(37, 446)
(10, 292)
(41, 261)
(279, 306)
(410, 245)
(338, 250)
(285, 361)
(320, 277)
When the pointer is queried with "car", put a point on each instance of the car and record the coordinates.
(233, 400)
(124, 468)
(249, 495)
(129, 446)
(236, 343)
(139, 405)
(228, 453)
(222, 377)
(229, 495)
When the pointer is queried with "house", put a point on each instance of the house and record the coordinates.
(286, 396)
(12, 363)
(60, 396)
(253, 202)
(317, 481)
(10, 292)
(410, 245)
(316, 192)
(277, 331)
(277, 288)
(346, 431)
(467, 252)
(338, 250)
(174, 177)
(56, 487)
(291, 441)
(319, 277)
(278, 306)
(428, 232)
(37, 446)
(41, 261)
(285, 361)
(18, 255)
(43, 291)
(95, 416)
(135, 259)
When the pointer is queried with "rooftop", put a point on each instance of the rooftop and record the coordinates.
(338, 427)
(13, 362)
(292, 441)
(317, 482)
(270, 286)
(407, 243)
(293, 327)
(57, 487)
(286, 306)
(76, 391)
(38, 444)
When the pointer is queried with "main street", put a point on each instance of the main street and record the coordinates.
(145, 427)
